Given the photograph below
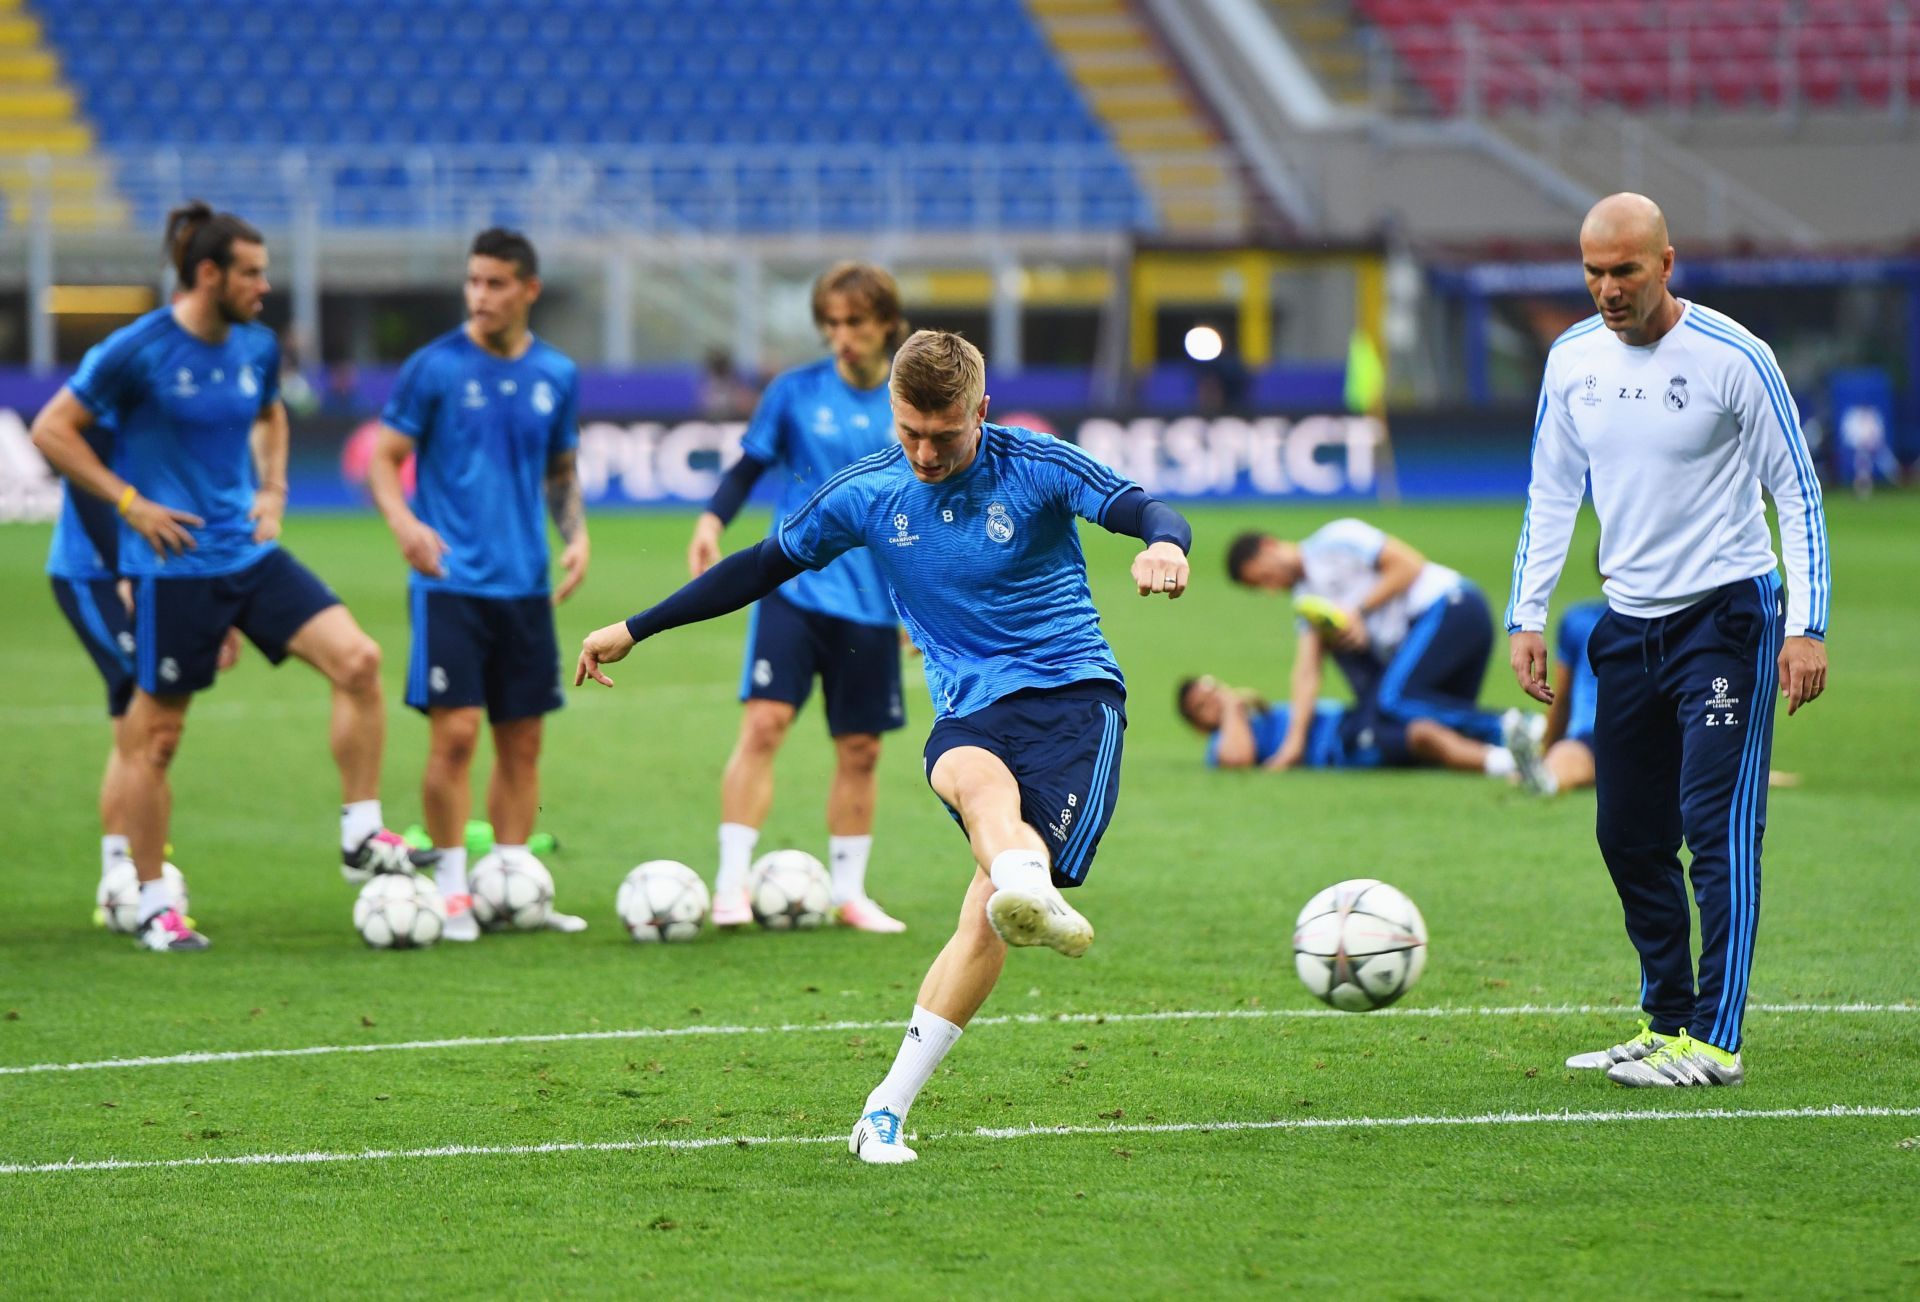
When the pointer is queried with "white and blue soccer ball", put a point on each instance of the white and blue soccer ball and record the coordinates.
(399, 911)
(510, 893)
(1359, 945)
(789, 891)
(118, 898)
(662, 899)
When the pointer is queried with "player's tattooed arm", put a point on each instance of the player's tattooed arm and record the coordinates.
(569, 514)
(564, 503)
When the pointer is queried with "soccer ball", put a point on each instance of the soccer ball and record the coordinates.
(399, 911)
(789, 891)
(662, 900)
(510, 894)
(1359, 945)
(119, 895)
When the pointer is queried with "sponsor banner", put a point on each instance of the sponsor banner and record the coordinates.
(645, 462)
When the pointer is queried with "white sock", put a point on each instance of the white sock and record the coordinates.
(512, 851)
(736, 856)
(113, 848)
(358, 821)
(1020, 870)
(155, 899)
(848, 855)
(1499, 762)
(450, 871)
(926, 1042)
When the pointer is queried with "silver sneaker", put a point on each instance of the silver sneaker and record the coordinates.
(1683, 1062)
(1630, 1050)
(1518, 735)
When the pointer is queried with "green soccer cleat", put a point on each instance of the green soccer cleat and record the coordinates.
(1682, 1061)
(1630, 1050)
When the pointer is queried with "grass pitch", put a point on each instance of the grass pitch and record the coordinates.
(1249, 1145)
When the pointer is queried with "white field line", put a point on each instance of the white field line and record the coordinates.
(800, 1028)
(1832, 1112)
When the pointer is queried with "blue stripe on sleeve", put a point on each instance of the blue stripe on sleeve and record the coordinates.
(1788, 418)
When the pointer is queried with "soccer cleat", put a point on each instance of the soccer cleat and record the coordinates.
(461, 924)
(862, 914)
(1517, 734)
(1039, 917)
(168, 933)
(876, 1139)
(1682, 1061)
(567, 922)
(1634, 1048)
(732, 908)
(381, 852)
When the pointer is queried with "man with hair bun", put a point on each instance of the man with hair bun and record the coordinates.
(836, 624)
(199, 478)
(972, 526)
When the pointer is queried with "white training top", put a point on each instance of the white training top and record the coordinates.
(1678, 437)
(1341, 562)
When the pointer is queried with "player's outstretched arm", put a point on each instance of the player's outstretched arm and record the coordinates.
(1162, 567)
(59, 432)
(739, 580)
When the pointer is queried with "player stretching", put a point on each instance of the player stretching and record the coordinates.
(837, 622)
(1411, 637)
(491, 411)
(199, 478)
(1680, 417)
(972, 525)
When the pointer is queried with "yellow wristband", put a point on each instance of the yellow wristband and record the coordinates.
(126, 499)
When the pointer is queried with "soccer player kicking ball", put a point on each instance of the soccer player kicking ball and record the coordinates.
(973, 526)
(836, 623)
(200, 481)
(491, 412)
(1680, 417)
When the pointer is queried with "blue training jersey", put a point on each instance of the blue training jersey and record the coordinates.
(810, 425)
(185, 410)
(1326, 747)
(985, 567)
(484, 428)
(72, 555)
(1583, 692)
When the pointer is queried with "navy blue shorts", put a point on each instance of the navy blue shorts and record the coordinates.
(499, 652)
(1369, 740)
(180, 623)
(858, 666)
(1062, 746)
(94, 609)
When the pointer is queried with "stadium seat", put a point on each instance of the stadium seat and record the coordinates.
(534, 73)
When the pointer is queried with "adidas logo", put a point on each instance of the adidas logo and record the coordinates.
(913, 1033)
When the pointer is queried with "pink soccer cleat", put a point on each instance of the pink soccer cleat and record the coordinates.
(862, 914)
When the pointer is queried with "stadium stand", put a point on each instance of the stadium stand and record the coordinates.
(1724, 54)
(678, 90)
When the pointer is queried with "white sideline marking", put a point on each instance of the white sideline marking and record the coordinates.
(797, 1028)
(1837, 1111)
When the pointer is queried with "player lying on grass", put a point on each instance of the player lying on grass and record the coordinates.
(1244, 731)
(836, 624)
(973, 527)
(199, 479)
(1411, 636)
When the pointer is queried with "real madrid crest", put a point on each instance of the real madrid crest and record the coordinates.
(999, 524)
(1677, 393)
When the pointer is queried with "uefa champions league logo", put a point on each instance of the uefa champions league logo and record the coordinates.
(999, 524)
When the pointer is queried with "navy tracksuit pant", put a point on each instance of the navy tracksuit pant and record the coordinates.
(1437, 671)
(1682, 743)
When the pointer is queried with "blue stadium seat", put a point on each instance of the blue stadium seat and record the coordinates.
(793, 74)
